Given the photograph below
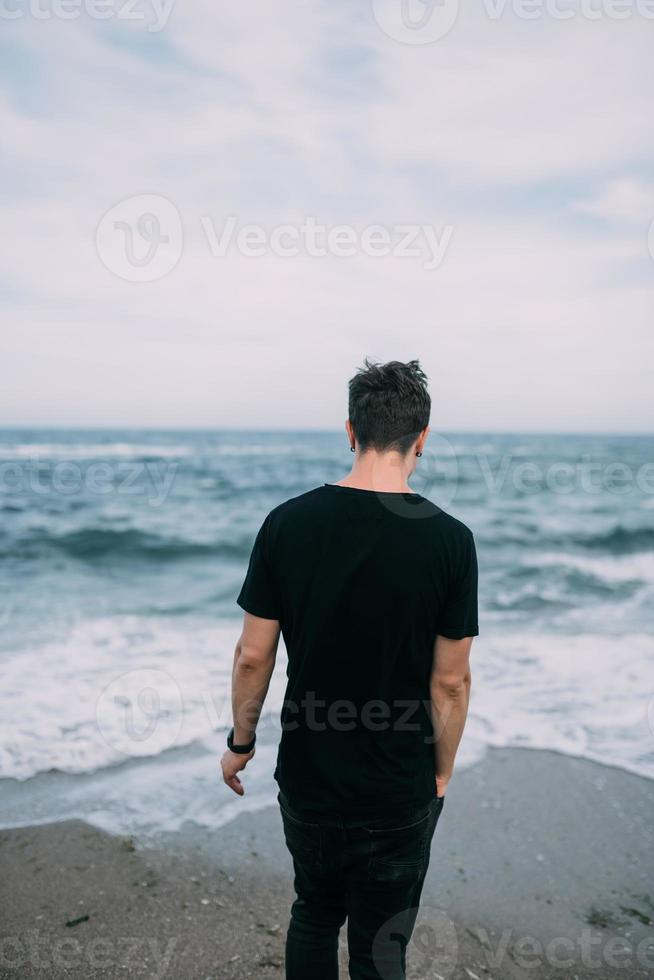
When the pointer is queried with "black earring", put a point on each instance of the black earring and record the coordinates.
(352, 449)
(418, 454)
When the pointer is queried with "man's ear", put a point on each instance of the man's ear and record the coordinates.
(422, 439)
(350, 431)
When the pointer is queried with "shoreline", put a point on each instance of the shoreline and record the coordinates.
(539, 859)
(55, 795)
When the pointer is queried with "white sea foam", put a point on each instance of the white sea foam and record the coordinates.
(116, 688)
(148, 796)
(95, 450)
(583, 695)
(613, 568)
(269, 449)
(131, 687)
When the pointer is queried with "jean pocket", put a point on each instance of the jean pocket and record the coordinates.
(397, 854)
(302, 839)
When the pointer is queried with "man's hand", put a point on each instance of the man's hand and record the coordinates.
(441, 786)
(232, 763)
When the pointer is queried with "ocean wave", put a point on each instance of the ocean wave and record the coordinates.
(584, 695)
(119, 688)
(528, 602)
(92, 450)
(94, 544)
(554, 585)
(620, 540)
(616, 541)
(607, 571)
(561, 583)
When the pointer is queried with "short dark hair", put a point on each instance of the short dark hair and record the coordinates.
(389, 405)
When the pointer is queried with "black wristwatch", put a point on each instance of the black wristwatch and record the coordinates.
(239, 749)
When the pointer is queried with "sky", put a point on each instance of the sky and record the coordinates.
(213, 212)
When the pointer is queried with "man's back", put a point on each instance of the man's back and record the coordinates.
(375, 591)
(361, 582)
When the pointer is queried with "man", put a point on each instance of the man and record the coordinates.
(375, 591)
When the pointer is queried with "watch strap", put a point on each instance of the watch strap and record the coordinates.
(239, 749)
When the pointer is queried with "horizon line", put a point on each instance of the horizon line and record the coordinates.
(312, 430)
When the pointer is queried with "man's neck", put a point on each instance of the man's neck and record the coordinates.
(383, 472)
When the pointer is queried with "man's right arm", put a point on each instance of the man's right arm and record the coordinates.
(450, 693)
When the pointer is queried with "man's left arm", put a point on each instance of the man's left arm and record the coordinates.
(254, 660)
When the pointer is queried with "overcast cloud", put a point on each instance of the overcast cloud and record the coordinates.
(523, 146)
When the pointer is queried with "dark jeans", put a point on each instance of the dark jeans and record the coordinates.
(368, 870)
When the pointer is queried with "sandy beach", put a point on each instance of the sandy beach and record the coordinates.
(542, 866)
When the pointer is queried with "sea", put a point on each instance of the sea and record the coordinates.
(122, 553)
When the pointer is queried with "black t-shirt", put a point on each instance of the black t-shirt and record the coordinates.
(361, 583)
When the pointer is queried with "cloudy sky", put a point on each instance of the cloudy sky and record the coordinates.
(212, 212)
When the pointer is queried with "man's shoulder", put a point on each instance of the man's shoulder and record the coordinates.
(308, 502)
(442, 533)
(452, 526)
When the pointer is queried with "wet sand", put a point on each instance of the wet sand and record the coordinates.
(542, 866)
